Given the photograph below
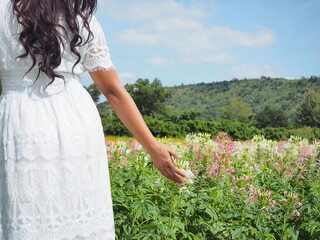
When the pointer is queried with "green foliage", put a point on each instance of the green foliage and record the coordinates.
(149, 97)
(305, 132)
(113, 126)
(236, 110)
(191, 108)
(275, 133)
(189, 115)
(270, 116)
(94, 91)
(163, 121)
(181, 127)
(237, 130)
(308, 113)
(209, 98)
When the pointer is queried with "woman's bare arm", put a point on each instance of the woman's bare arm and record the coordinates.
(123, 104)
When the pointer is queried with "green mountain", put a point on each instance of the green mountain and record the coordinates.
(208, 98)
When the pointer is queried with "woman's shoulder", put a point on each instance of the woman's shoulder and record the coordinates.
(92, 21)
(94, 25)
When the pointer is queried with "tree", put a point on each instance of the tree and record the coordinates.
(308, 113)
(149, 97)
(189, 115)
(94, 91)
(271, 117)
(236, 110)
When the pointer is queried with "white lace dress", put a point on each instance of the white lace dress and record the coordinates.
(54, 176)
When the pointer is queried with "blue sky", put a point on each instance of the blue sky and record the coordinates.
(188, 41)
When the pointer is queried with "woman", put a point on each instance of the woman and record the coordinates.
(54, 179)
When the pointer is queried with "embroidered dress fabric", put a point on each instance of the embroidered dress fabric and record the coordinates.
(54, 176)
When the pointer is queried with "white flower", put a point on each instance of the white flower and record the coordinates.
(128, 151)
(190, 175)
(296, 213)
(157, 181)
(283, 200)
(138, 147)
(184, 189)
(264, 209)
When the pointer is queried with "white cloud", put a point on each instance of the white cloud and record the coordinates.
(214, 58)
(251, 71)
(183, 30)
(160, 62)
(127, 77)
(131, 36)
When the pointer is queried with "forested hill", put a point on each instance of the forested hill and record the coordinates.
(209, 98)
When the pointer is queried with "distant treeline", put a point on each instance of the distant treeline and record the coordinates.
(252, 95)
(236, 130)
(275, 108)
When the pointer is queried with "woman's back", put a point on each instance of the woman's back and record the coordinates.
(54, 177)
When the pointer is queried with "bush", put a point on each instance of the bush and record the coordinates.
(180, 128)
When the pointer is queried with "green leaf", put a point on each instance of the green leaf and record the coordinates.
(212, 214)
(139, 235)
(237, 232)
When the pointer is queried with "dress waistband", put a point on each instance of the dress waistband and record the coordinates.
(14, 83)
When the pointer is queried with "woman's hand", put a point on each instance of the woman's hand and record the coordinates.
(162, 159)
(126, 109)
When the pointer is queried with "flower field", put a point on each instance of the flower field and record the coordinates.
(257, 189)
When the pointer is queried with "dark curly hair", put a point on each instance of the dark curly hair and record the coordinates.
(41, 37)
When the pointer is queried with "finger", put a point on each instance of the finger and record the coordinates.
(164, 173)
(181, 173)
(174, 176)
(172, 159)
(174, 154)
(177, 170)
(170, 177)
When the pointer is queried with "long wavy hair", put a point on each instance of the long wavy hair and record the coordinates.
(40, 34)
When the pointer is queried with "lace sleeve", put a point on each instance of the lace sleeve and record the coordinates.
(97, 56)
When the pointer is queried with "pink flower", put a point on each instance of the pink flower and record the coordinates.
(299, 176)
(246, 178)
(273, 204)
(230, 170)
(234, 181)
(277, 166)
